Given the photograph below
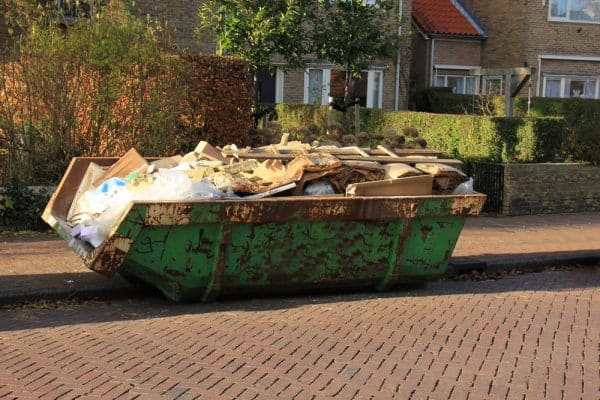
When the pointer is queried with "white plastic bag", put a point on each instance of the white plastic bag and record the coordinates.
(465, 188)
(318, 188)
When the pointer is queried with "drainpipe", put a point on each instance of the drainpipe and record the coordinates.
(539, 75)
(397, 86)
(431, 62)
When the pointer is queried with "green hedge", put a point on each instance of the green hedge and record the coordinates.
(443, 101)
(467, 137)
(582, 117)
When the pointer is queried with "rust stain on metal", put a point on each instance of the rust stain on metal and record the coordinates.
(425, 231)
(469, 205)
(173, 272)
(122, 243)
(108, 261)
(246, 212)
(168, 214)
(107, 258)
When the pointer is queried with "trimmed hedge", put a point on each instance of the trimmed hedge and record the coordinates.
(582, 117)
(220, 96)
(467, 137)
(443, 101)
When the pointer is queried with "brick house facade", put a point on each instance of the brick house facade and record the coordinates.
(558, 39)
(386, 81)
(386, 84)
(446, 45)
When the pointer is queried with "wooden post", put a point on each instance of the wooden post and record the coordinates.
(508, 99)
(356, 119)
(329, 116)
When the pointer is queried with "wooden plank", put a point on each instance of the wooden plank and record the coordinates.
(387, 151)
(405, 160)
(130, 162)
(408, 152)
(381, 159)
(359, 151)
(346, 151)
(206, 151)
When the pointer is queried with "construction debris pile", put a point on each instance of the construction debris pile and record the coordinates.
(285, 169)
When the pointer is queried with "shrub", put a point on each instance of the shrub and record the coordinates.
(463, 136)
(21, 207)
(443, 101)
(107, 85)
(102, 87)
(220, 96)
(582, 116)
(581, 135)
(302, 115)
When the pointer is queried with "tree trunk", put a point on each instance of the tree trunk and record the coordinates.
(347, 101)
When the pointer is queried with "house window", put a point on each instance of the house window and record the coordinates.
(492, 86)
(459, 84)
(368, 89)
(572, 87)
(552, 88)
(574, 10)
(269, 86)
(374, 89)
(316, 86)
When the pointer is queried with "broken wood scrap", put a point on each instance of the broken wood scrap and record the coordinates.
(380, 159)
(409, 186)
(388, 151)
(399, 170)
(446, 178)
(131, 162)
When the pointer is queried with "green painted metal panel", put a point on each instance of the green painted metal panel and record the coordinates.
(179, 259)
(194, 261)
(182, 260)
(315, 253)
(134, 221)
(429, 247)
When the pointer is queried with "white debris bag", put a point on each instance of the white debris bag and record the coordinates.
(101, 208)
(465, 188)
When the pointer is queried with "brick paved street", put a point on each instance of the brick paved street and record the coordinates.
(533, 336)
(47, 265)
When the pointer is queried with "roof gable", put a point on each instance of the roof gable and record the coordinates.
(445, 17)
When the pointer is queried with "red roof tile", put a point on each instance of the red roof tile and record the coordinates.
(442, 17)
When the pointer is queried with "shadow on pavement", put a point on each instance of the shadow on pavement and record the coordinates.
(36, 315)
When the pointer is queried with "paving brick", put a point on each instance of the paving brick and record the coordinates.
(449, 341)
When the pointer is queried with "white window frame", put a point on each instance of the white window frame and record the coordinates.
(484, 83)
(326, 84)
(370, 86)
(566, 18)
(279, 84)
(563, 84)
(437, 67)
(446, 76)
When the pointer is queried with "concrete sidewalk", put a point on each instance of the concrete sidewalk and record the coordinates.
(44, 267)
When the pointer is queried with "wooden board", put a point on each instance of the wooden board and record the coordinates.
(345, 151)
(354, 157)
(130, 162)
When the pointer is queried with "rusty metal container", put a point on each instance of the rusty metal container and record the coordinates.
(208, 249)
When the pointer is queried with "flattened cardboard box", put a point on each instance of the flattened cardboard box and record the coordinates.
(410, 186)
